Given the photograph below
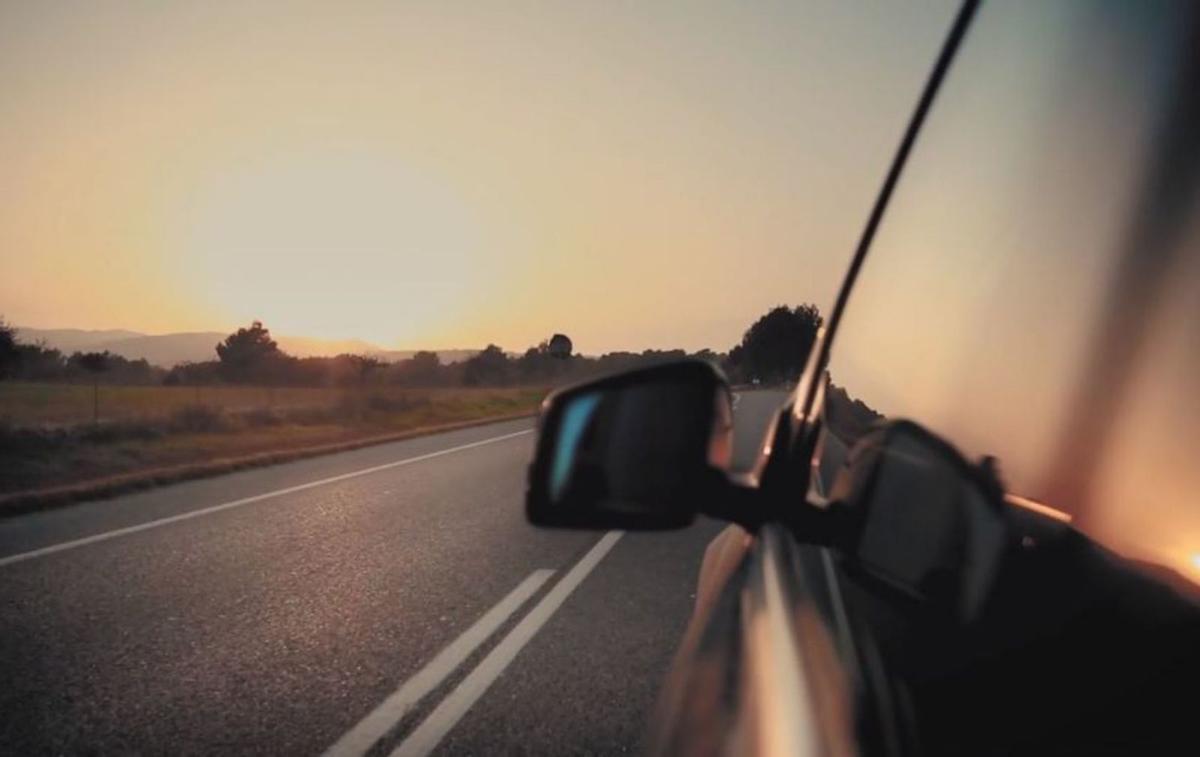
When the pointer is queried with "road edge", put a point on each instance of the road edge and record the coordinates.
(33, 500)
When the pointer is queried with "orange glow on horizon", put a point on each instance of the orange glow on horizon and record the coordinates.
(434, 176)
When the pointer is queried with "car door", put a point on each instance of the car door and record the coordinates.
(1031, 295)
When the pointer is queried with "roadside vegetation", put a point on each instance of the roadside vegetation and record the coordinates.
(66, 420)
(159, 430)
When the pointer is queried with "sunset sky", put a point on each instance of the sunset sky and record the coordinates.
(635, 175)
(444, 174)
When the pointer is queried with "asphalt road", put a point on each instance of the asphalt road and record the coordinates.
(389, 599)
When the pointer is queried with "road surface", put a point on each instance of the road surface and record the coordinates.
(388, 600)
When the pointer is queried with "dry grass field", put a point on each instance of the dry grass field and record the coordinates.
(58, 404)
(48, 437)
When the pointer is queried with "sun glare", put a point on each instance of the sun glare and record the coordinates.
(337, 244)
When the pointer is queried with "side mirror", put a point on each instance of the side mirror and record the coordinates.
(926, 522)
(639, 450)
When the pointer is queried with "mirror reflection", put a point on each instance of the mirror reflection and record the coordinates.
(643, 445)
(930, 525)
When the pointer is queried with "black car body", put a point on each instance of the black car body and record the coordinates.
(844, 613)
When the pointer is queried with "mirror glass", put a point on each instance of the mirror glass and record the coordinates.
(633, 450)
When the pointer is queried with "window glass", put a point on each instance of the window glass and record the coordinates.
(1034, 290)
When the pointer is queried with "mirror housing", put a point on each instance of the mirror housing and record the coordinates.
(921, 518)
(637, 450)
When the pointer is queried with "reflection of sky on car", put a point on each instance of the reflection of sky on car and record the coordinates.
(983, 298)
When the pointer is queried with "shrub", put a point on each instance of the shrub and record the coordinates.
(197, 418)
(117, 431)
(403, 403)
(30, 441)
(312, 416)
(261, 416)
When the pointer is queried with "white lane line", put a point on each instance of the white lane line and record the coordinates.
(736, 398)
(370, 729)
(63, 546)
(434, 728)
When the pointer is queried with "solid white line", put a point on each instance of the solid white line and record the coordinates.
(434, 728)
(370, 729)
(63, 546)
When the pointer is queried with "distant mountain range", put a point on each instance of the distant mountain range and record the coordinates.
(167, 350)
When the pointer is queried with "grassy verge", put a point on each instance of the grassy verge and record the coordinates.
(51, 463)
(59, 404)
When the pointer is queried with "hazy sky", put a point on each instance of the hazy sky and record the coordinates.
(634, 174)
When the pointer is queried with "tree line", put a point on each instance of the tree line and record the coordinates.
(773, 349)
(37, 362)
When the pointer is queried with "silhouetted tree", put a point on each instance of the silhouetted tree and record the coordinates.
(424, 368)
(194, 374)
(848, 418)
(776, 346)
(491, 366)
(560, 346)
(94, 363)
(537, 364)
(364, 366)
(547, 361)
(251, 355)
(425, 362)
(651, 357)
(248, 353)
(9, 354)
(529, 365)
(37, 362)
